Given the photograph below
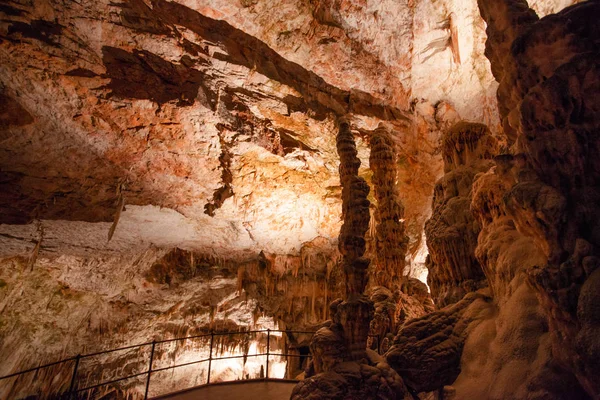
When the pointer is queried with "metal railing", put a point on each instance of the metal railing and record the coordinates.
(73, 389)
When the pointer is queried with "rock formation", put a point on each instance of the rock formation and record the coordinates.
(452, 230)
(348, 380)
(391, 242)
(342, 367)
(548, 74)
(351, 317)
(199, 138)
(393, 309)
(355, 214)
(427, 351)
(533, 209)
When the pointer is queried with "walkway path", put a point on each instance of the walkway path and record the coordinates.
(267, 390)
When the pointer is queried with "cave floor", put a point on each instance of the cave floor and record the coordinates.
(268, 390)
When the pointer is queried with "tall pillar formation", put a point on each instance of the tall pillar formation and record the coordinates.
(452, 231)
(355, 213)
(340, 348)
(391, 242)
(355, 313)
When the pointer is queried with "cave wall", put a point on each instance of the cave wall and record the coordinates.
(212, 128)
(54, 308)
(548, 74)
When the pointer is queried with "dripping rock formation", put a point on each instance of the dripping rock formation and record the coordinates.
(467, 149)
(406, 190)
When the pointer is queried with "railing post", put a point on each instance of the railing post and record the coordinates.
(150, 369)
(212, 340)
(268, 347)
(74, 377)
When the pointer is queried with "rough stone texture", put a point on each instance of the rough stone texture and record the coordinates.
(509, 355)
(452, 230)
(85, 305)
(355, 213)
(352, 380)
(206, 130)
(548, 94)
(427, 351)
(341, 367)
(345, 337)
(194, 126)
(393, 309)
(391, 242)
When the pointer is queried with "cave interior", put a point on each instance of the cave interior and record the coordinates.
(401, 196)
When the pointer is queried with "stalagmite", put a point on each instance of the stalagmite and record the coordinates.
(355, 213)
(339, 349)
(467, 149)
(391, 241)
(204, 138)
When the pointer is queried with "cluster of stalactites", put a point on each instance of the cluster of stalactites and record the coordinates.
(355, 213)
(391, 241)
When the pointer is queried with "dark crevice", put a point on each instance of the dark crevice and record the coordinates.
(225, 191)
(290, 143)
(44, 31)
(144, 75)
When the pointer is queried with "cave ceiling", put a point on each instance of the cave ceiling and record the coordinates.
(208, 124)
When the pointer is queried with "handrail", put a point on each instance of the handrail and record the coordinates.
(72, 390)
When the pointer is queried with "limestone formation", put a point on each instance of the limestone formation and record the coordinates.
(393, 309)
(427, 351)
(355, 213)
(452, 230)
(350, 317)
(342, 366)
(350, 380)
(391, 242)
(547, 94)
(202, 139)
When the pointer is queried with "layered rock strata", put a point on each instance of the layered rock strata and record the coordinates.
(452, 231)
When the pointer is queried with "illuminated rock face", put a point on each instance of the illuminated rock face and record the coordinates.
(186, 128)
(202, 134)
